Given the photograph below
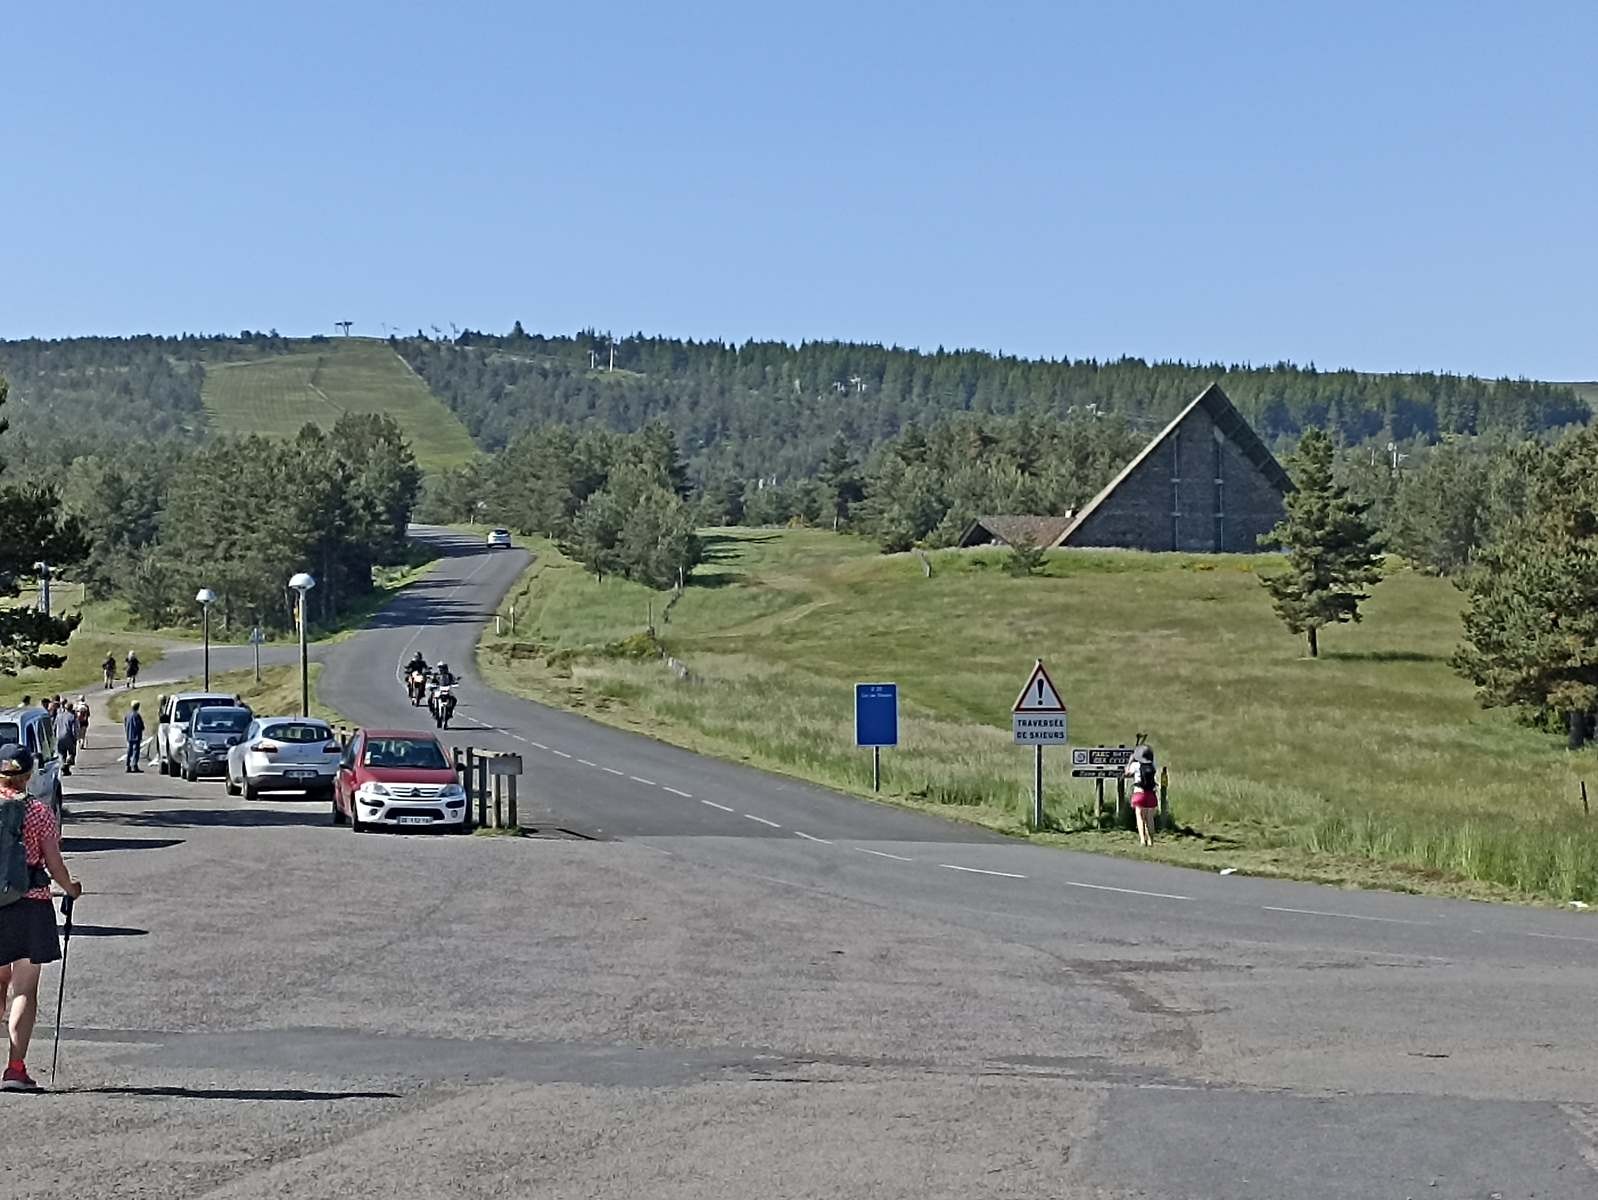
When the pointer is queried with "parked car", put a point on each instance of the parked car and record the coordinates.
(213, 731)
(281, 754)
(172, 715)
(397, 777)
(499, 539)
(31, 727)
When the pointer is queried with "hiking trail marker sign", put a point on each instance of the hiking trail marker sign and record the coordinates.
(876, 722)
(1038, 720)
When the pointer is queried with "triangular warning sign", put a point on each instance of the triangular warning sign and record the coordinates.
(1040, 695)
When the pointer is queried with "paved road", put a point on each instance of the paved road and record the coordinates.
(700, 1003)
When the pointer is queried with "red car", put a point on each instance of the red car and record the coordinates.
(397, 777)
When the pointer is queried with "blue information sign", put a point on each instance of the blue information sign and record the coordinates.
(876, 714)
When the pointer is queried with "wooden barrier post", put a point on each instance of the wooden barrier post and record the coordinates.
(511, 815)
(482, 792)
(499, 801)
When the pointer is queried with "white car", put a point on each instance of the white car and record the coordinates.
(31, 728)
(284, 754)
(172, 724)
(499, 539)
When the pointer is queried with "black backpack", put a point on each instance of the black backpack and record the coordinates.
(16, 876)
(1145, 776)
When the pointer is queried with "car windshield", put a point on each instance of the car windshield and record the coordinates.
(221, 720)
(184, 709)
(298, 731)
(422, 753)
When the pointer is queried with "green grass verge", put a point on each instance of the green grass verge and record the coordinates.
(276, 396)
(1372, 766)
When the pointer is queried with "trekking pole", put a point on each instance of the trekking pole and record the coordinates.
(61, 993)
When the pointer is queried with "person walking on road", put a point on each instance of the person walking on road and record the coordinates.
(1145, 793)
(133, 726)
(28, 938)
(66, 736)
(109, 669)
(133, 669)
(81, 710)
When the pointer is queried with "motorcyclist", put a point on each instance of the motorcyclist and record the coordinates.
(417, 663)
(443, 677)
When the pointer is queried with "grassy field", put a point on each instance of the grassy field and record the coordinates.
(1372, 765)
(276, 396)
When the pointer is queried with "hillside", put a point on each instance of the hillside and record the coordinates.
(1372, 765)
(317, 382)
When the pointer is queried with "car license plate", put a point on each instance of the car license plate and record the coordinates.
(302, 774)
(415, 820)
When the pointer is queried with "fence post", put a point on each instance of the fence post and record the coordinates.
(482, 792)
(499, 802)
(511, 814)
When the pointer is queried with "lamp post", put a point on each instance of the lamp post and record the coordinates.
(205, 597)
(303, 582)
(43, 568)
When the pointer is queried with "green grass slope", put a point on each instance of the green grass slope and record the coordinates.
(277, 395)
(1373, 765)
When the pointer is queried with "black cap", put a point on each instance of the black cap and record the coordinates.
(15, 760)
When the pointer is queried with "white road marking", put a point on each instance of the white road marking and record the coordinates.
(1315, 912)
(518, 737)
(884, 854)
(613, 770)
(540, 745)
(586, 763)
(562, 753)
(642, 780)
(1102, 887)
(808, 838)
(762, 820)
(677, 792)
(713, 804)
(980, 871)
(1560, 937)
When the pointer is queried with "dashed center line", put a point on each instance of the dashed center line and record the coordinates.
(762, 820)
(1101, 887)
(884, 854)
(613, 770)
(540, 745)
(980, 871)
(1559, 937)
(808, 838)
(586, 763)
(642, 780)
(713, 804)
(677, 792)
(518, 737)
(1315, 912)
(561, 753)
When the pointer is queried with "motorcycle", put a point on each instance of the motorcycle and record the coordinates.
(416, 684)
(442, 704)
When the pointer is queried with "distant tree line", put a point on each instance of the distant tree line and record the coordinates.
(771, 410)
(239, 515)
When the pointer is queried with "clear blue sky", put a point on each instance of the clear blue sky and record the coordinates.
(1384, 185)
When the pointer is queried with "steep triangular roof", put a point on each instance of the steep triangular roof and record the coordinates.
(1227, 419)
(1013, 529)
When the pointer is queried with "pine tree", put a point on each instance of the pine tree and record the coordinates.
(1332, 549)
(1531, 628)
(840, 477)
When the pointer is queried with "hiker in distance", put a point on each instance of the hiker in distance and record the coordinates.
(133, 726)
(1145, 793)
(30, 857)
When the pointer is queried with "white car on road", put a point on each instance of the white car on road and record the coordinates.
(499, 539)
(31, 728)
(172, 724)
(284, 754)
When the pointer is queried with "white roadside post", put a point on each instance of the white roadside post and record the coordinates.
(303, 582)
(205, 597)
(1038, 720)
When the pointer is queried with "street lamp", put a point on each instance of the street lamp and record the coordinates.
(205, 597)
(43, 568)
(303, 582)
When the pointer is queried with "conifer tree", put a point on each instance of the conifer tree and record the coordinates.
(1333, 551)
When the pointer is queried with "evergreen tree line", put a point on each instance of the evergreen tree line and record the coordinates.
(240, 515)
(770, 409)
(615, 502)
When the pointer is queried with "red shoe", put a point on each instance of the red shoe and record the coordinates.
(16, 1079)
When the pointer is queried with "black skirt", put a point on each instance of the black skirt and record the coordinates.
(28, 930)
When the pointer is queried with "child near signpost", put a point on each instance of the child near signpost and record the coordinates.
(1145, 793)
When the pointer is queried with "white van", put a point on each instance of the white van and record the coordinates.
(32, 728)
(172, 724)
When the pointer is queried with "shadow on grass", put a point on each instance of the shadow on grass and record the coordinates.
(1383, 656)
(183, 1093)
(715, 579)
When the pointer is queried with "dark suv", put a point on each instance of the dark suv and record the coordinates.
(211, 732)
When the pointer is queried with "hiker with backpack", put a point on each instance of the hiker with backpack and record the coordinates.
(1145, 793)
(66, 736)
(30, 857)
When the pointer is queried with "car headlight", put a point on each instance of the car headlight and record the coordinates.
(371, 789)
(452, 791)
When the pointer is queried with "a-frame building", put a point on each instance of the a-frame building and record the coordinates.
(1206, 484)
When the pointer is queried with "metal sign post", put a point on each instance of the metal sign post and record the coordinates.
(876, 722)
(1038, 719)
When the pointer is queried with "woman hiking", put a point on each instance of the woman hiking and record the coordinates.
(28, 936)
(1145, 793)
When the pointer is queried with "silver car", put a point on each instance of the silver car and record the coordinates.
(284, 754)
(31, 727)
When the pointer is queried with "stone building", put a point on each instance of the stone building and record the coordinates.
(1206, 484)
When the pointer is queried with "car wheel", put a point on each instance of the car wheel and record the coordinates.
(231, 787)
(161, 766)
(251, 792)
(355, 821)
(338, 813)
